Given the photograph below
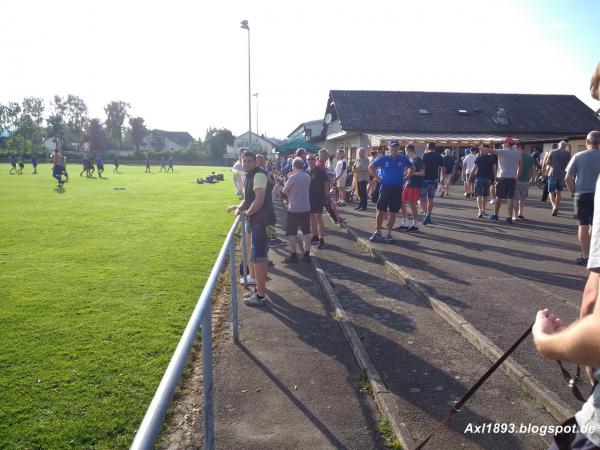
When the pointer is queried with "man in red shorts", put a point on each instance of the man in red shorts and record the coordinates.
(412, 191)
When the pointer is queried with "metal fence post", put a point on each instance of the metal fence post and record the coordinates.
(234, 291)
(207, 374)
(244, 252)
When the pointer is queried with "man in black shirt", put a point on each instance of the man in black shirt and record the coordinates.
(317, 197)
(484, 171)
(432, 163)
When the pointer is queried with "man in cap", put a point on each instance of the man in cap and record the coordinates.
(392, 170)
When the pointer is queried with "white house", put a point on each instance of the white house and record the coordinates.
(307, 131)
(259, 144)
(166, 140)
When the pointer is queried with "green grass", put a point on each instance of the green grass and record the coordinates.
(96, 286)
(384, 428)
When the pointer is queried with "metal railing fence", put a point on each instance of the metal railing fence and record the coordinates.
(149, 429)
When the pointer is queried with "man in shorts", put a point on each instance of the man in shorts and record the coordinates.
(554, 167)
(297, 190)
(57, 168)
(257, 206)
(484, 170)
(34, 163)
(412, 191)
(341, 173)
(13, 163)
(99, 165)
(170, 163)
(20, 163)
(467, 168)
(391, 174)
(524, 179)
(582, 174)
(317, 197)
(162, 165)
(433, 164)
(147, 164)
(509, 166)
(449, 165)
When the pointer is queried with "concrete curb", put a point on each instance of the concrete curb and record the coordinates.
(559, 409)
(383, 397)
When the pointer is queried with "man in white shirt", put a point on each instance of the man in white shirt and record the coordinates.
(467, 168)
(341, 173)
(238, 174)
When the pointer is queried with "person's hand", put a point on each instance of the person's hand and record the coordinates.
(590, 373)
(240, 212)
(546, 324)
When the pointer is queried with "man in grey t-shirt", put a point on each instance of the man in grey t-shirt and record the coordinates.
(509, 167)
(582, 174)
(297, 190)
(555, 165)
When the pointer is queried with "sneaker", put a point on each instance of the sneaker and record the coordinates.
(249, 294)
(388, 239)
(314, 240)
(306, 258)
(249, 280)
(401, 228)
(493, 217)
(582, 261)
(321, 244)
(442, 194)
(520, 216)
(426, 219)
(555, 212)
(492, 201)
(293, 258)
(468, 195)
(480, 215)
(508, 221)
(412, 228)
(375, 237)
(255, 301)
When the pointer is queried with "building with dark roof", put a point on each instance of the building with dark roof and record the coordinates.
(451, 119)
(166, 140)
(309, 131)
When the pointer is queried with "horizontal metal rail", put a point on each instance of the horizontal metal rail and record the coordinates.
(149, 429)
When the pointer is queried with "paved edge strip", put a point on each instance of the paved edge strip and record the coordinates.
(383, 397)
(559, 409)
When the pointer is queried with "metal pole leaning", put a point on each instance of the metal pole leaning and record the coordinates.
(234, 291)
(244, 252)
(207, 374)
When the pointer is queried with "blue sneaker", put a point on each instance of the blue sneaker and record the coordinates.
(426, 219)
(493, 217)
(375, 237)
(509, 221)
(389, 239)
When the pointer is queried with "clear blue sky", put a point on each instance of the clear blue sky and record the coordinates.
(182, 63)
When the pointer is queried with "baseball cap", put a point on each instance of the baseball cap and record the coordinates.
(394, 144)
(508, 140)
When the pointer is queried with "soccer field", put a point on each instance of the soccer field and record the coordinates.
(96, 286)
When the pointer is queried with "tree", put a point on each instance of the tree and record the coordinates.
(75, 118)
(29, 126)
(56, 120)
(137, 132)
(216, 141)
(96, 136)
(116, 112)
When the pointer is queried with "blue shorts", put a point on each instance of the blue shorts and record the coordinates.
(428, 188)
(482, 187)
(259, 243)
(57, 171)
(556, 183)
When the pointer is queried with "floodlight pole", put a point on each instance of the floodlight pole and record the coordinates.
(245, 26)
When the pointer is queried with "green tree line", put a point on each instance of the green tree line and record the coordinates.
(25, 127)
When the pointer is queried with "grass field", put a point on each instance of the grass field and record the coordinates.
(96, 286)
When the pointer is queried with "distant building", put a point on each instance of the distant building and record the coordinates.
(260, 144)
(455, 120)
(307, 131)
(166, 140)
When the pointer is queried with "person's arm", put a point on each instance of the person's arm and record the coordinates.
(532, 172)
(570, 178)
(288, 185)
(474, 169)
(258, 201)
(545, 164)
(579, 343)
(373, 170)
(520, 167)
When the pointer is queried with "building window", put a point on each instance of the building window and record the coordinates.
(463, 111)
(423, 111)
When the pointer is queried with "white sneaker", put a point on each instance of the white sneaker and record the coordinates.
(255, 301)
(491, 202)
(249, 280)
